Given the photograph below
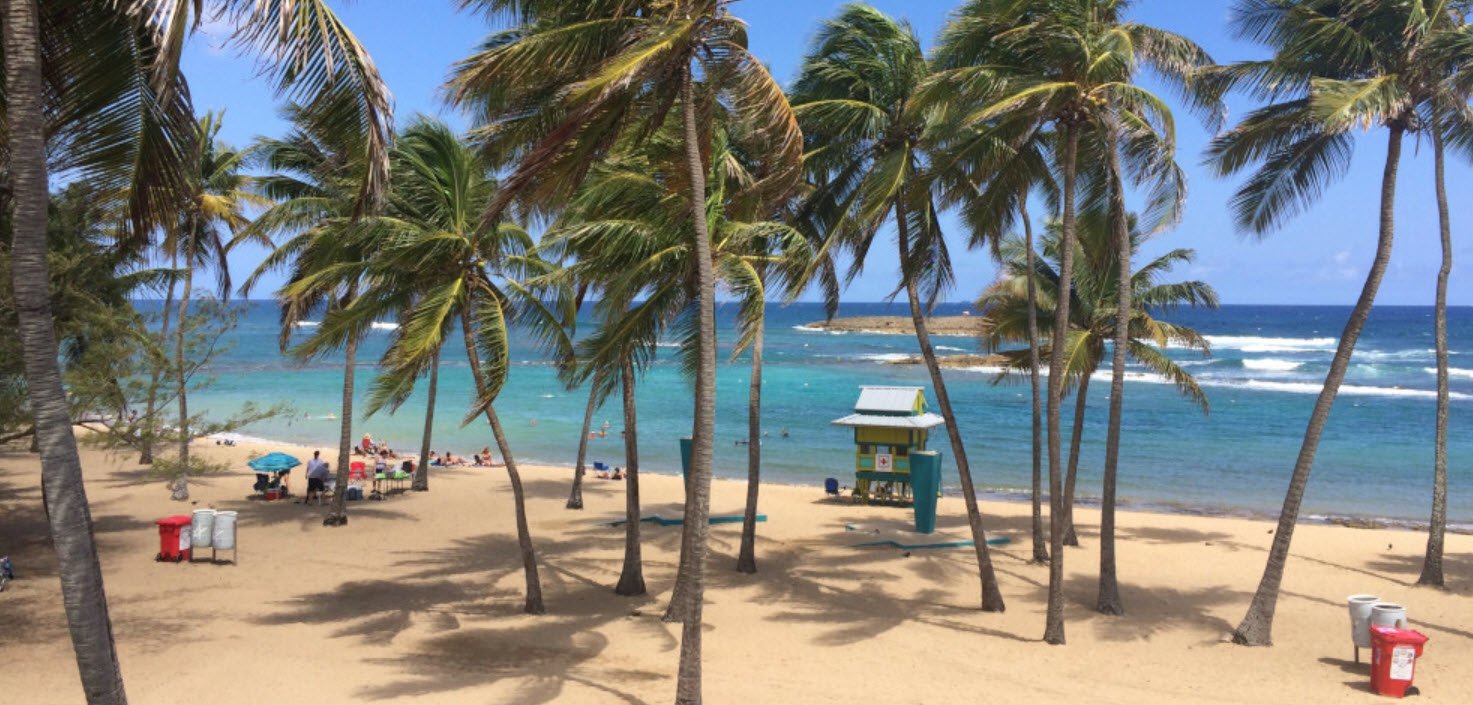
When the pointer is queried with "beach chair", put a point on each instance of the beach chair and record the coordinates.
(357, 471)
(831, 487)
(600, 466)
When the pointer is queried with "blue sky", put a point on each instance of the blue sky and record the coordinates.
(1320, 257)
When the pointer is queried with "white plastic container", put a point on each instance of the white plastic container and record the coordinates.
(223, 535)
(201, 526)
(1360, 618)
(1388, 614)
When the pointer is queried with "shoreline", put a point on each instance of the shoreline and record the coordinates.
(1003, 495)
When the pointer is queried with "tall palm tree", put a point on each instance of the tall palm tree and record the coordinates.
(1446, 115)
(866, 155)
(1043, 77)
(119, 43)
(1336, 66)
(433, 248)
(570, 78)
(216, 205)
(315, 175)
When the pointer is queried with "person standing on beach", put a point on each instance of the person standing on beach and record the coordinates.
(317, 474)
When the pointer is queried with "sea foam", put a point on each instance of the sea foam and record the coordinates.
(1272, 365)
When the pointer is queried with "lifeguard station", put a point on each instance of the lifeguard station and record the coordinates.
(890, 425)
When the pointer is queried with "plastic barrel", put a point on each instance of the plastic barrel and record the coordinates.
(201, 525)
(224, 533)
(1388, 614)
(925, 482)
(1360, 618)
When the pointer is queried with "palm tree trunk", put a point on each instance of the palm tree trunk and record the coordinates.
(422, 468)
(747, 554)
(575, 496)
(1437, 526)
(83, 596)
(1256, 629)
(338, 515)
(1108, 601)
(1053, 631)
(533, 604)
(181, 374)
(698, 498)
(631, 578)
(991, 595)
(1076, 442)
(1040, 549)
(150, 428)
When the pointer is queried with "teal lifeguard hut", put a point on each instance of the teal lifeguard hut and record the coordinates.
(891, 426)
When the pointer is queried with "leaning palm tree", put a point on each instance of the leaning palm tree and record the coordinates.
(216, 206)
(867, 158)
(1045, 76)
(84, 88)
(434, 249)
(553, 94)
(314, 175)
(1337, 65)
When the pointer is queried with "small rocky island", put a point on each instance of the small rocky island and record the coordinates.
(899, 325)
(950, 326)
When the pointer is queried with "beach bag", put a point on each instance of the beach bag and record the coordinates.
(354, 492)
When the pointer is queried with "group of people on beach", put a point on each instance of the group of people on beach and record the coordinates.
(371, 448)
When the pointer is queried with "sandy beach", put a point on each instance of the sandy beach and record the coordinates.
(418, 599)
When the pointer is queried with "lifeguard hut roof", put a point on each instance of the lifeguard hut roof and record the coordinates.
(926, 420)
(891, 407)
(887, 400)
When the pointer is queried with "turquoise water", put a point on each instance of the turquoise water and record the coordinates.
(1267, 364)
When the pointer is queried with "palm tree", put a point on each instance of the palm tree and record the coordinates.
(315, 175)
(95, 78)
(628, 232)
(1336, 66)
(572, 77)
(866, 155)
(1445, 115)
(434, 248)
(1017, 69)
(218, 198)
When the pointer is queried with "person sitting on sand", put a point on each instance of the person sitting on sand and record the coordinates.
(367, 444)
(434, 458)
(317, 474)
(452, 460)
(618, 474)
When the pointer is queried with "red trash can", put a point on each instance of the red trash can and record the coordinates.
(1394, 653)
(174, 541)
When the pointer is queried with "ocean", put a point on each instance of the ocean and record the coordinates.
(1266, 366)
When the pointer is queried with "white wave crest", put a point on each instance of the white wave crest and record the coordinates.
(808, 329)
(886, 357)
(1345, 389)
(1260, 344)
(1272, 365)
(1451, 372)
(948, 348)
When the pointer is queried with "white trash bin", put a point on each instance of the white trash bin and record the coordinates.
(1388, 614)
(201, 526)
(1360, 621)
(223, 536)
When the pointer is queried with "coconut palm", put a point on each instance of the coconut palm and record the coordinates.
(556, 91)
(92, 73)
(219, 195)
(315, 174)
(1094, 313)
(628, 229)
(434, 249)
(1046, 77)
(1446, 116)
(867, 157)
(1336, 66)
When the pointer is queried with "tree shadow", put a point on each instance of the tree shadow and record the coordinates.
(1457, 568)
(1150, 611)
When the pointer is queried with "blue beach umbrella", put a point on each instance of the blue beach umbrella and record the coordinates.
(274, 462)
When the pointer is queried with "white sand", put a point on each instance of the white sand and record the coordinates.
(418, 599)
